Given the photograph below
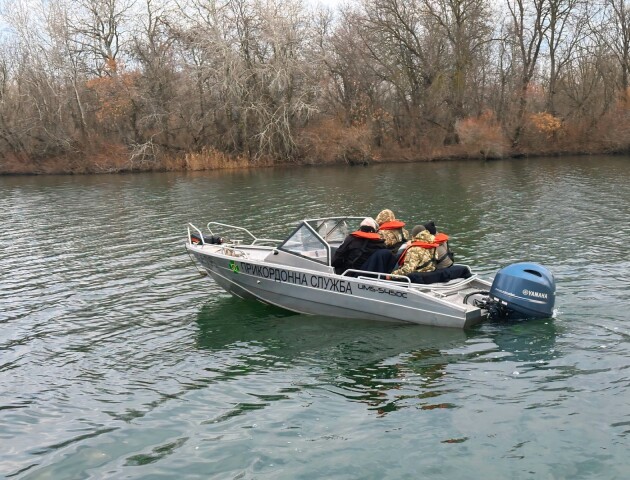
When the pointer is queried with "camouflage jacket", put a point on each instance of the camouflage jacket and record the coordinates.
(418, 259)
(393, 238)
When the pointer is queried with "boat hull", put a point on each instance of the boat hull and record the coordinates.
(320, 293)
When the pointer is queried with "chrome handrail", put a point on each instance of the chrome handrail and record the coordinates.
(255, 240)
(198, 231)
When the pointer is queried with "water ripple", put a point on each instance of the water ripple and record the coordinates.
(117, 359)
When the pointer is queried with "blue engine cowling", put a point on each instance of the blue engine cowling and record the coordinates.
(525, 289)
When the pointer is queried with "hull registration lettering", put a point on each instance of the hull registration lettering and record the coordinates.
(295, 278)
(387, 291)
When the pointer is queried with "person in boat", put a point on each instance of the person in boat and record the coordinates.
(420, 254)
(444, 271)
(391, 230)
(363, 249)
(445, 257)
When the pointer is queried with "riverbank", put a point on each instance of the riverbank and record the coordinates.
(120, 160)
(329, 143)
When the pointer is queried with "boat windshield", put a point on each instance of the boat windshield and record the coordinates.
(317, 239)
(334, 230)
(306, 243)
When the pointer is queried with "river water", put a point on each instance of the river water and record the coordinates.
(118, 360)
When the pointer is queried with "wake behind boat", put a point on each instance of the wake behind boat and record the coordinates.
(296, 274)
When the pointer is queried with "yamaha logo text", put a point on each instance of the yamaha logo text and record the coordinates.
(532, 293)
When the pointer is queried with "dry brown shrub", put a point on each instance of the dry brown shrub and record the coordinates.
(613, 131)
(108, 158)
(576, 137)
(482, 135)
(116, 158)
(542, 134)
(546, 123)
(212, 159)
(115, 95)
(328, 141)
(12, 164)
(394, 152)
(609, 132)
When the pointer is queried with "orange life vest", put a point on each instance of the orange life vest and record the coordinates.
(426, 245)
(440, 238)
(392, 225)
(368, 235)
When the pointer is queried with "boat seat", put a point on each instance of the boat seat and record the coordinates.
(441, 276)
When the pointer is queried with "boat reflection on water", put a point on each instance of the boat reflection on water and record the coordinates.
(386, 366)
(227, 321)
(364, 361)
(525, 341)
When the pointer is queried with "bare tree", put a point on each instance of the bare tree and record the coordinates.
(10, 139)
(39, 87)
(584, 85)
(614, 33)
(250, 61)
(529, 25)
(408, 54)
(352, 84)
(567, 30)
(466, 26)
(97, 27)
(152, 47)
(70, 63)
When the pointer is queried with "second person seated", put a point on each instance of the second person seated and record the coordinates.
(391, 230)
(363, 249)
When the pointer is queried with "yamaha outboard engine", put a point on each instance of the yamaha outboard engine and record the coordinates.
(521, 290)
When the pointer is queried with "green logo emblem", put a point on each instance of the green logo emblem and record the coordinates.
(233, 266)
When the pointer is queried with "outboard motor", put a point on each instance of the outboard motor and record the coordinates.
(525, 289)
(521, 290)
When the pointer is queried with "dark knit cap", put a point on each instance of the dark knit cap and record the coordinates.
(430, 226)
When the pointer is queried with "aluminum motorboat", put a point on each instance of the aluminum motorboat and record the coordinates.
(296, 274)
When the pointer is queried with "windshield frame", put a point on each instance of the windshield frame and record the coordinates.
(314, 227)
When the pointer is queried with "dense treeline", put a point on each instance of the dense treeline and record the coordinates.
(111, 85)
